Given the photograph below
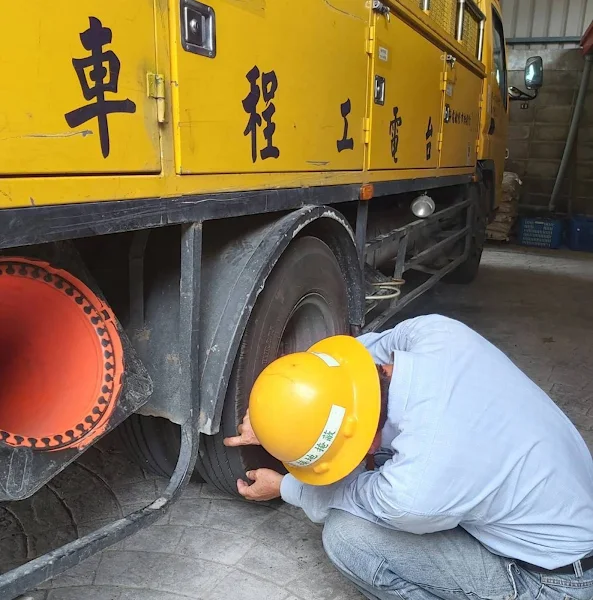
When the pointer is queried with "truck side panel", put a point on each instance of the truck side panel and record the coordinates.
(407, 118)
(285, 102)
(461, 112)
(74, 88)
(286, 90)
(425, 94)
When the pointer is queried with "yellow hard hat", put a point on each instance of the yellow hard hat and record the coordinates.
(318, 411)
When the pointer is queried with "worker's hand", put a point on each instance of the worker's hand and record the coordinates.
(246, 435)
(265, 486)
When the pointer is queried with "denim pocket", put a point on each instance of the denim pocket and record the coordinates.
(568, 582)
(568, 587)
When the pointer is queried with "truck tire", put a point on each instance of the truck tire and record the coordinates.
(467, 271)
(304, 300)
(153, 443)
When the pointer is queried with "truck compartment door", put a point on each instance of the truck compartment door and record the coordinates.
(405, 96)
(461, 115)
(269, 85)
(462, 85)
(74, 88)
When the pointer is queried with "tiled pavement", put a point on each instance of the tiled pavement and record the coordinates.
(534, 305)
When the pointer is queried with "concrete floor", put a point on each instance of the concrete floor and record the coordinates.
(534, 305)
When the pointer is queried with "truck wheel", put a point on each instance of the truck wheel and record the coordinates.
(153, 442)
(304, 300)
(467, 271)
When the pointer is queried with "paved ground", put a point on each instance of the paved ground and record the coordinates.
(536, 306)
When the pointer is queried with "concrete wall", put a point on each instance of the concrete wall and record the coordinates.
(537, 134)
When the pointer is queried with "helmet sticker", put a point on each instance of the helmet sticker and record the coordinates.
(326, 439)
(330, 361)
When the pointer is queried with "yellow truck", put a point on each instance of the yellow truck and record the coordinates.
(189, 190)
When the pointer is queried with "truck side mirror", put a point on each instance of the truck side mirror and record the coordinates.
(534, 73)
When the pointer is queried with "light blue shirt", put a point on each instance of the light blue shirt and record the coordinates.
(476, 443)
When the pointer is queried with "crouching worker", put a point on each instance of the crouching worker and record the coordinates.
(488, 493)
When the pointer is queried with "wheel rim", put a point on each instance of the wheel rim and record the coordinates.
(311, 320)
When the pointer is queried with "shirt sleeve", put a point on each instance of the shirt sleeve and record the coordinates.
(374, 497)
(383, 345)
(315, 500)
(426, 335)
(368, 495)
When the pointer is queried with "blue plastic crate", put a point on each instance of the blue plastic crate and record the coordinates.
(542, 233)
(580, 233)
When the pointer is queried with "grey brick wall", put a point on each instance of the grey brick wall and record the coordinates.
(537, 134)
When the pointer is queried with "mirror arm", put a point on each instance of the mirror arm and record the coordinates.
(516, 94)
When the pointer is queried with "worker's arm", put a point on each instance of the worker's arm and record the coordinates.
(369, 495)
(314, 500)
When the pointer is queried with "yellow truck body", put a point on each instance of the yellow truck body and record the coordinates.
(105, 103)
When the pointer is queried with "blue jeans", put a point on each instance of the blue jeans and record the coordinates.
(451, 565)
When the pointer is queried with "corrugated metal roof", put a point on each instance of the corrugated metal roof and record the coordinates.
(546, 18)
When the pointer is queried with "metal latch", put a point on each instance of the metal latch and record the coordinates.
(382, 9)
(156, 90)
(451, 60)
(379, 90)
(198, 28)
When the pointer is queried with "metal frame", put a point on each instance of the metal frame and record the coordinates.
(362, 216)
(42, 224)
(474, 10)
(402, 235)
(136, 283)
(481, 39)
(563, 39)
(36, 571)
